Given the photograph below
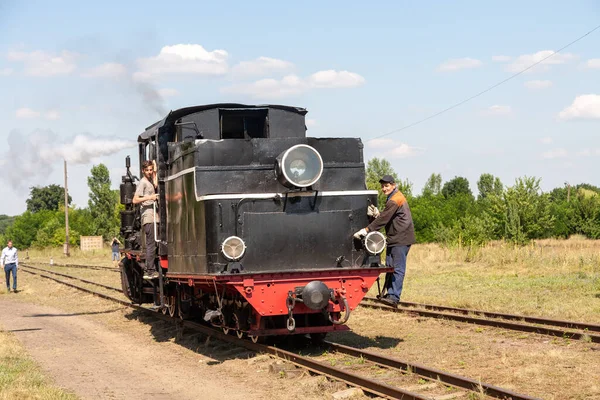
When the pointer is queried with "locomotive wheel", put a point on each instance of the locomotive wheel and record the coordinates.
(240, 334)
(172, 306)
(226, 330)
(184, 307)
(253, 338)
(125, 286)
(132, 282)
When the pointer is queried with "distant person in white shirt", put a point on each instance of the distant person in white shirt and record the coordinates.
(10, 261)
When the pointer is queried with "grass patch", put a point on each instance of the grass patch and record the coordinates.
(20, 377)
(102, 257)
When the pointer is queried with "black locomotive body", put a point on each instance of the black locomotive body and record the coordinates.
(256, 221)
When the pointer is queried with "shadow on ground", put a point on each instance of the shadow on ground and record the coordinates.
(218, 351)
(75, 314)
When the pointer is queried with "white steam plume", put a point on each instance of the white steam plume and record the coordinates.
(31, 157)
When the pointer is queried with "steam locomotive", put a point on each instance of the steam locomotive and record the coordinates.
(255, 222)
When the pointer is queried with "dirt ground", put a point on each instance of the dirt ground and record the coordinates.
(100, 351)
(95, 362)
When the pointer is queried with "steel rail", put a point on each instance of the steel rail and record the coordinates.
(98, 267)
(490, 322)
(513, 317)
(431, 373)
(368, 385)
(72, 277)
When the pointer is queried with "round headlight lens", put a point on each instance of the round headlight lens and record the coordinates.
(233, 248)
(375, 242)
(300, 166)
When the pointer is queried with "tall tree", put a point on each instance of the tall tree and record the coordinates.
(457, 185)
(46, 198)
(102, 202)
(488, 185)
(433, 186)
(527, 211)
(5, 222)
(26, 226)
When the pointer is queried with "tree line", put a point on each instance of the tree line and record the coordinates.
(43, 223)
(451, 214)
(444, 212)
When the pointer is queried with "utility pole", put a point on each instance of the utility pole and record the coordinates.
(66, 249)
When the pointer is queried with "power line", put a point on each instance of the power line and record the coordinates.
(486, 90)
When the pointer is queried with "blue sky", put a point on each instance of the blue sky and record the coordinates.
(80, 81)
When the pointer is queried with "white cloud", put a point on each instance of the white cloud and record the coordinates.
(293, 84)
(403, 151)
(84, 148)
(261, 66)
(335, 79)
(584, 153)
(39, 152)
(501, 58)
(5, 71)
(310, 122)
(547, 140)
(537, 84)
(459, 63)
(270, 88)
(52, 115)
(168, 92)
(26, 113)
(380, 143)
(593, 63)
(390, 148)
(106, 70)
(589, 152)
(182, 59)
(585, 106)
(40, 63)
(526, 60)
(555, 153)
(498, 110)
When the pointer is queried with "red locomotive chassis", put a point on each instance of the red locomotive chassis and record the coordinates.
(268, 294)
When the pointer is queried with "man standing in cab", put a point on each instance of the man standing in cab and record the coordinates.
(146, 195)
(400, 232)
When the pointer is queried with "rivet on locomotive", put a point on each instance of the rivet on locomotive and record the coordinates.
(255, 222)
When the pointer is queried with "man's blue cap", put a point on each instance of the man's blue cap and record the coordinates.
(387, 179)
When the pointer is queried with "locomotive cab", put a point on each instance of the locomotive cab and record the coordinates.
(255, 212)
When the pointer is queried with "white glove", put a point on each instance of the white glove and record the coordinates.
(373, 211)
(361, 233)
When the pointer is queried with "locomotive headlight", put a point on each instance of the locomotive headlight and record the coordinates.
(299, 166)
(375, 242)
(233, 248)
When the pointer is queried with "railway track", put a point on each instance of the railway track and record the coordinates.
(96, 267)
(538, 325)
(543, 326)
(522, 323)
(441, 386)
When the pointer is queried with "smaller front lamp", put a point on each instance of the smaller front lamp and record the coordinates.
(233, 248)
(375, 242)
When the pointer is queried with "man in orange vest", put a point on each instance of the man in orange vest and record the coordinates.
(400, 231)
